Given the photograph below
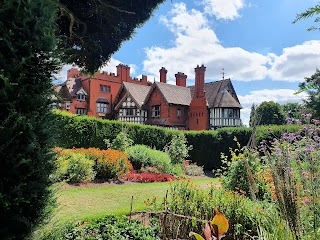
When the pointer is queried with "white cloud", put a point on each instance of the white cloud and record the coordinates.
(296, 62)
(223, 9)
(110, 67)
(112, 64)
(196, 43)
(280, 96)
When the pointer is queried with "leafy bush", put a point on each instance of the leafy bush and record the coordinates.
(106, 163)
(186, 198)
(178, 149)
(141, 155)
(121, 142)
(148, 177)
(73, 168)
(242, 173)
(193, 170)
(109, 227)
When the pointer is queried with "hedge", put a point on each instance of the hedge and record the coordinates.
(83, 131)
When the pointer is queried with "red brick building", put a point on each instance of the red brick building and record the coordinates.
(199, 107)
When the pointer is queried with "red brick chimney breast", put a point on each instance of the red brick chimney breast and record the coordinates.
(163, 75)
(181, 79)
(199, 84)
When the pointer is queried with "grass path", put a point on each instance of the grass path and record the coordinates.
(81, 203)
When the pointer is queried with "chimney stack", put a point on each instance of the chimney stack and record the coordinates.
(123, 71)
(199, 84)
(163, 75)
(181, 79)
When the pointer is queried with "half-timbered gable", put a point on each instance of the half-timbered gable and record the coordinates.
(130, 102)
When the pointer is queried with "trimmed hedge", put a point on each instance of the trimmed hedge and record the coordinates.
(84, 131)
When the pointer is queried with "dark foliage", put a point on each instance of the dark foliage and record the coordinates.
(312, 86)
(93, 30)
(27, 39)
(83, 131)
(109, 227)
(270, 113)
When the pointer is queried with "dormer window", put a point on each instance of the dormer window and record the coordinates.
(81, 97)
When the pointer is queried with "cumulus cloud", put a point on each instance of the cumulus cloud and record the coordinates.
(222, 9)
(296, 62)
(196, 43)
(280, 96)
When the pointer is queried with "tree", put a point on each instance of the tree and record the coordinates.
(34, 34)
(309, 13)
(292, 110)
(27, 42)
(252, 115)
(270, 113)
(92, 30)
(312, 86)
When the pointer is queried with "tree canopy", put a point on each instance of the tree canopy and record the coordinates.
(309, 13)
(92, 30)
(270, 113)
(312, 86)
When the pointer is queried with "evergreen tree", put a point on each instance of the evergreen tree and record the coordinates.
(252, 115)
(89, 32)
(26, 63)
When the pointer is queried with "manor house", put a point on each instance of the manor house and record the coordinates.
(118, 96)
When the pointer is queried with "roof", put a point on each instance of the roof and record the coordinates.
(138, 92)
(220, 94)
(227, 101)
(73, 85)
(174, 94)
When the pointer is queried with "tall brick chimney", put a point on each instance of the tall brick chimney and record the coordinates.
(163, 75)
(198, 111)
(123, 71)
(199, 84)
(181, 79)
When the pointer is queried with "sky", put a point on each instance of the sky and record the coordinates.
(264, 54)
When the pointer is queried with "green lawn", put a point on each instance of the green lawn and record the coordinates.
(79, 203)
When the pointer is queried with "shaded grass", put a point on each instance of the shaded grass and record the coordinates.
(82, 203)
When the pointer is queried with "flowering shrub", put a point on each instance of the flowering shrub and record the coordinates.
(295, 168)
(148, 177)
(106, 163)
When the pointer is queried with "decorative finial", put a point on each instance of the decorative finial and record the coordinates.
(222, 73)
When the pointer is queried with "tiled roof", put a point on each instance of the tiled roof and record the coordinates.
(137, 91)
(218, 96)
(157, 121)
(73, 85)
(175, 94)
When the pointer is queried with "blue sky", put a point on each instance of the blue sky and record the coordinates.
(264, 54)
